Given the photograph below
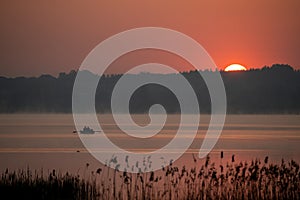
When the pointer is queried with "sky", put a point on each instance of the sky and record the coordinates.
(52, 36)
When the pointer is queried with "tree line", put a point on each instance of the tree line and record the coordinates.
(274, 89)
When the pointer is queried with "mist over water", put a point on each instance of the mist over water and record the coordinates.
(46, 140)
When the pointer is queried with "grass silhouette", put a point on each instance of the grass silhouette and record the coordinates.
(233, 180)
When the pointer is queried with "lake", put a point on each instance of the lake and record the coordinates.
(46, 141)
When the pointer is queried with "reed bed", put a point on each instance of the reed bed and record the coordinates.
(232, 180)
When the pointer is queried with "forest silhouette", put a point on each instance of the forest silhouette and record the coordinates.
(269, 90)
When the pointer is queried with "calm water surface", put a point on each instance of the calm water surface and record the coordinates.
(46, 140)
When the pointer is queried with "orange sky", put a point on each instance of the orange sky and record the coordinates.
(39, 37)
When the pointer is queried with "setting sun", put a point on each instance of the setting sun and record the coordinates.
(235, 67)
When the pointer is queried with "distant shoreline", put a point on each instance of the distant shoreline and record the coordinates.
(107, 113)
(270, 90)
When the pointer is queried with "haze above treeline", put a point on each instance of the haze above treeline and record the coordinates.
(270, 90)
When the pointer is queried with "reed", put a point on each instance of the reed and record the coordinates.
(233, 180)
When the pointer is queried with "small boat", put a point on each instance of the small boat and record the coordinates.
(86, 130)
